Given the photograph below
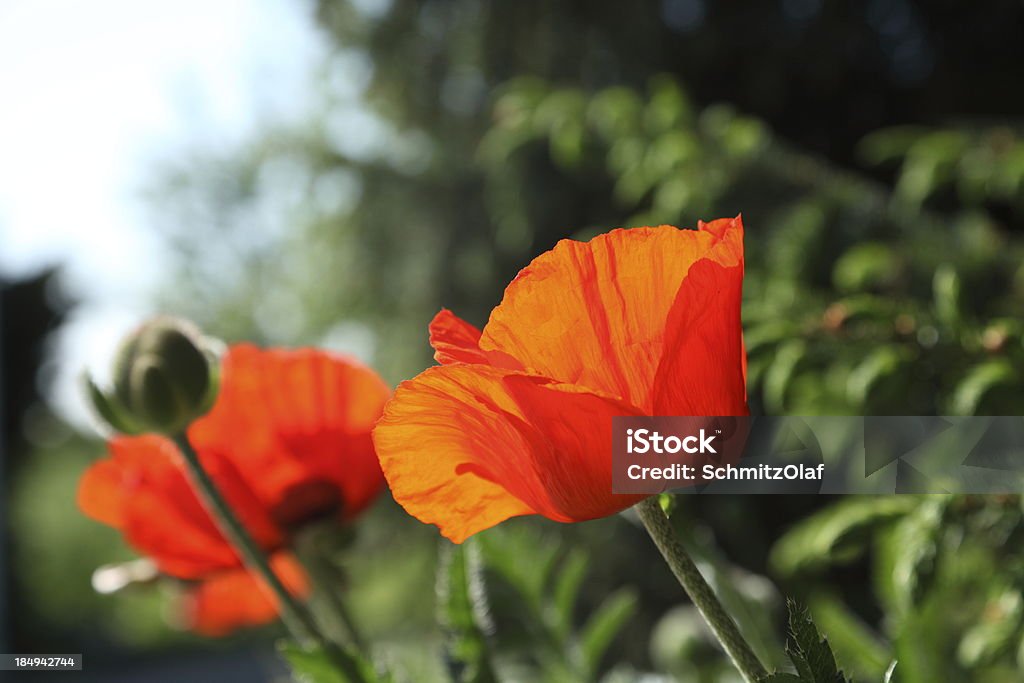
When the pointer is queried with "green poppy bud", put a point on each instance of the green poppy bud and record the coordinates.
(164, 378)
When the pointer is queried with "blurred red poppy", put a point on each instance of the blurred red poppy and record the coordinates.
(517, 419)
(287, 442)
(230, 599)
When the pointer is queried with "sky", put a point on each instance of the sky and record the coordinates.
(92, 96)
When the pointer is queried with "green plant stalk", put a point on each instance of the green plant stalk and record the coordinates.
(325, 576)
(336, 605)
(295, 617)
(723, 626)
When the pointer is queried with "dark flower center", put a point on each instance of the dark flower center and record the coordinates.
(307, 502)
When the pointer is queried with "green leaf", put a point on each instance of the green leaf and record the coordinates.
(885, 367)
(837, 534)
(929, 164)
(524, 558)
(767, 334)
(780, 677)
(918, 537)
(779, 375)
(668, 107)
(567, 590)
(108, 409)
(463, 613)
(809, 650)
(865, 266)
(888, 144)
(604, 624)
(984, 386)
(681, 639)
(314, 665)
(864, 652)
(948, 295)
(801, 231)
(667, 502)
(615, 112)
(996, 635)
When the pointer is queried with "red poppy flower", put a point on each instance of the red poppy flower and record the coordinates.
(234, 598)
(287, 441)
(516, 420)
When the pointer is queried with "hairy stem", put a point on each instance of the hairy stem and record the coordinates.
(723, 626)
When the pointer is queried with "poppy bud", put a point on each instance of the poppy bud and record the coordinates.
(164, 378)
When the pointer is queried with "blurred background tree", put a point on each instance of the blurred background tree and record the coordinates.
(388, 205)
(875, 151)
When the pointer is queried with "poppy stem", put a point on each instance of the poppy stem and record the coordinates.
(295, 617)
(723, 626)
(341, 612)
(326, 579)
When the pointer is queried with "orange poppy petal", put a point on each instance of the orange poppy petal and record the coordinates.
(233, 599)
(171, 525)
(728, 251)
(572, 446)
(173, 538)
(100, 493)
(703, 369)
(292, 419)
(728, 247)
(454, 340)
(594, 313)
(465, 447)
(434, 435)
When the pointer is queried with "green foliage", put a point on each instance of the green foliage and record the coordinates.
(310, 666)
(919, 536)
(567, 588)
(865, 267)
(979, 165)
(948, 574)
(990, 386)
(548, 587)
(854, 303)
(860, 297)
(836, 535)
(315, 665)
(863, 652)
(603, 625)
(657, 151)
